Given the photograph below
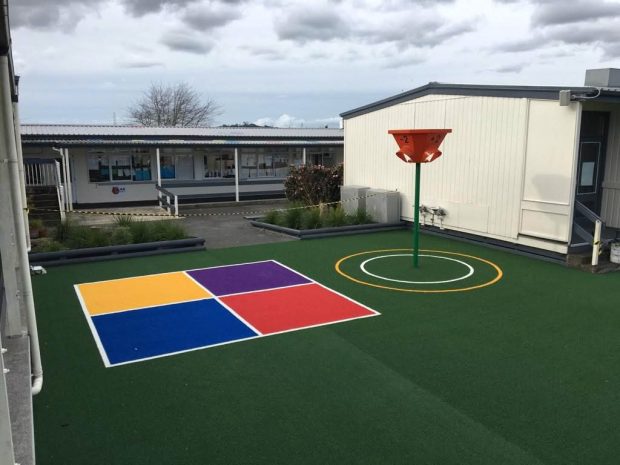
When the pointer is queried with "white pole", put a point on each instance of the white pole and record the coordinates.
(7, 130)
(236, 174)
(596, 246)
(158, 167)
(69, 181)
(303, 156)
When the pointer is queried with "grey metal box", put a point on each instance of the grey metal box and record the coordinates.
(383, 205)
(353, 198)
(604, 77)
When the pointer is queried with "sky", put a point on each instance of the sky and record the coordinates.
(293, 63)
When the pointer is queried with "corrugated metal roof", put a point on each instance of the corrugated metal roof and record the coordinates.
(136, 132)
(176, 142)
(436, 88)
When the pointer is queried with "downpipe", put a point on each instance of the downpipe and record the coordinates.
(7, 133)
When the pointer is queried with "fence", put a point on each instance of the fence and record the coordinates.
(168, 201)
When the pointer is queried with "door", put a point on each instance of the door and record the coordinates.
(591, 165)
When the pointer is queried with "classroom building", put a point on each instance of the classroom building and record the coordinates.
(524, 165)
(106, 165)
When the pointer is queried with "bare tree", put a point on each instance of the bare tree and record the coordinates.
(177, 105)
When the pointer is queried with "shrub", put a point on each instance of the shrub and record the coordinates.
(361, 217)
(314, 184)
(292, 217)
(47, 244)
(63, 230)
(335, 217)
(166, 230)
(123, 221)
(139, 232)
(81, 237)
(121, 236)
(311, 218)
(272, 217)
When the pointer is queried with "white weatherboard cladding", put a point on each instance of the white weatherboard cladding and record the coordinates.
(478, 180)
(610, 208)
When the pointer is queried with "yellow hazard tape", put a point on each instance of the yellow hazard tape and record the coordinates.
(184, 215)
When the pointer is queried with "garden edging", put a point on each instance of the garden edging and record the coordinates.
(113, 252)
(328, 232)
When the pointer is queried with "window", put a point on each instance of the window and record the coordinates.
(98, 168)
(268, 162)
(107, 165)
(589, 159)
(219, 163)
(141, 167)
(177, 164)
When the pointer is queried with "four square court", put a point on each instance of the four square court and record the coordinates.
(143, 317)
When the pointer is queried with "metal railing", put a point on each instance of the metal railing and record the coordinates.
(168, 201)
(47, 173)
(593, 239)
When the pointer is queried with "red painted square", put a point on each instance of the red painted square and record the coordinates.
(294, 307)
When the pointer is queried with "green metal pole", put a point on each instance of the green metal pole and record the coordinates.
(416, 217)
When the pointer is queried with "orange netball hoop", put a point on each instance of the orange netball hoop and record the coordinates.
(418, 146)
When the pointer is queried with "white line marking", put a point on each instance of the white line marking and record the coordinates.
(93, 329)
(146, 307)
(258, 335)
(363, 268)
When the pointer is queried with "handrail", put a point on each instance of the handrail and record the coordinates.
(168, 200)
(599, 225)
(585, 211)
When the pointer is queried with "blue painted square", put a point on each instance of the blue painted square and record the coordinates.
(150, 332)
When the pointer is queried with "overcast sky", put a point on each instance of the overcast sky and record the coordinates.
(293, 62)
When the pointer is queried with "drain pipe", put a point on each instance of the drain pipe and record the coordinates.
(7, 132)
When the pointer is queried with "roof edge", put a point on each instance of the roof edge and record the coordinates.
(474, 90)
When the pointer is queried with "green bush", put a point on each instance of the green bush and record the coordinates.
(139, 231)
(362, 217)
(292, 217)
(311, 218)
(166, 230)
(272, 217)
(313, 185)
(123, 221)
(63, 230)
(121, 236)
(335, 217)
(80, 237)
(47, 244)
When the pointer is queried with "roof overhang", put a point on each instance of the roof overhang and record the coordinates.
(175, 142)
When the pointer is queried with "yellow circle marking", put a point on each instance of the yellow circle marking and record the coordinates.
(499, 275)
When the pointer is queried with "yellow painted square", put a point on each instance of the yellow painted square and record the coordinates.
(143, 291)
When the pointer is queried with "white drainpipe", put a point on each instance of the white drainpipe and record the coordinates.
(7, 133)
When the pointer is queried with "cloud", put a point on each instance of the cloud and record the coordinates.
(183, 42)
(513, 68)
(140, 64)
(142, 7)
(268, 53)
(43, 14)
(559, 12)
(287, 121)
(303, 25)
(203, 18)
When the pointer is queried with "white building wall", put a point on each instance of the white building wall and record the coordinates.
(479, 179)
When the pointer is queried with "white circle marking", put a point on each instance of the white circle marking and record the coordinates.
(363, 268)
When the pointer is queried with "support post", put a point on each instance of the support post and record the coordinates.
(158, 167)
(236, 174)
(69, 181)
(303, 156)
(416, 217)
(596, 246)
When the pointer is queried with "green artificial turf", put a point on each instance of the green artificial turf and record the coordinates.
(525, 371)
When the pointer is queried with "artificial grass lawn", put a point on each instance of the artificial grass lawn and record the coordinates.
(526, 371)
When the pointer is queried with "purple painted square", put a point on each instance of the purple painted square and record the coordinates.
(246, 278)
